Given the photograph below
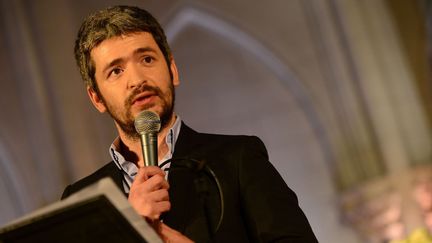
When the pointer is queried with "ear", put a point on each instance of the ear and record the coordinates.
(174, 71)
(98, 103)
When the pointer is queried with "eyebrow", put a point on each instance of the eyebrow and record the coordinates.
(117, 61)
(143, 50)
(112, 63)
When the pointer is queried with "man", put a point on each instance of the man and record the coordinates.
(128, 67)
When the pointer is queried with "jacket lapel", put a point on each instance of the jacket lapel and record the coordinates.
(115, 174)
(182, 189)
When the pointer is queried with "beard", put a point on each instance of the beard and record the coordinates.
(126, 121)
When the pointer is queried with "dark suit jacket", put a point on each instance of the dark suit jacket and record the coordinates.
(258, 205)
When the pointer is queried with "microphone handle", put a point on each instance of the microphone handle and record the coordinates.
(149, 148)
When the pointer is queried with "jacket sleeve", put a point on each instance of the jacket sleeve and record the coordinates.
(270, 206)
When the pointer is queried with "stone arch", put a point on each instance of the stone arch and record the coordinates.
(190, 15)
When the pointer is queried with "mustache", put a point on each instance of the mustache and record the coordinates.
(138, 90)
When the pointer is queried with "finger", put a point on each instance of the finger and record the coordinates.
(154, 189)
(142, 195)
(159, 195)
(140, 177)
(146, 172)
(157, 182)
(153, 205)
(154, 211)
(154, 183)
(163, 206)
(159, 208)
(154, 170)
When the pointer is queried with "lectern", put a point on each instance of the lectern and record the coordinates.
(98, 213)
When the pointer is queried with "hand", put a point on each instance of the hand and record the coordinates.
(170, 235)
(149, 193)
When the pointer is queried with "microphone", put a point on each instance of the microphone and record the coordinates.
(148, 124)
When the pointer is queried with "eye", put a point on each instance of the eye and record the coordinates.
(115, 71)
(148, 59)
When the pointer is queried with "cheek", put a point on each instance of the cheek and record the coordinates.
(167, 91)
(112, 98)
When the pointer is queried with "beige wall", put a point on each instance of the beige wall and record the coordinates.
(325, 84)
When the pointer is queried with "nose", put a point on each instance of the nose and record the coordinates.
(135, 76)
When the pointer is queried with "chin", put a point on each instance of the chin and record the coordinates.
(155, 109)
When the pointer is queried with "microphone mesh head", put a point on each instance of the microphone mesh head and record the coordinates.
(147, 122)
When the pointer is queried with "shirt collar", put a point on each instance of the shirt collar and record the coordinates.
(129, 167)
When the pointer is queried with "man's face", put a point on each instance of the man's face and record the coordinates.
(132, 75)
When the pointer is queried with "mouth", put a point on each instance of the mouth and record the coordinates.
(143, 98)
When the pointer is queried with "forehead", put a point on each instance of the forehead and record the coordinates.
(120, 46)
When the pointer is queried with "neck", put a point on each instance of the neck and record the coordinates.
(131, 147)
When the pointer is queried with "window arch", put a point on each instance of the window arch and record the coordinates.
(190, 15)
